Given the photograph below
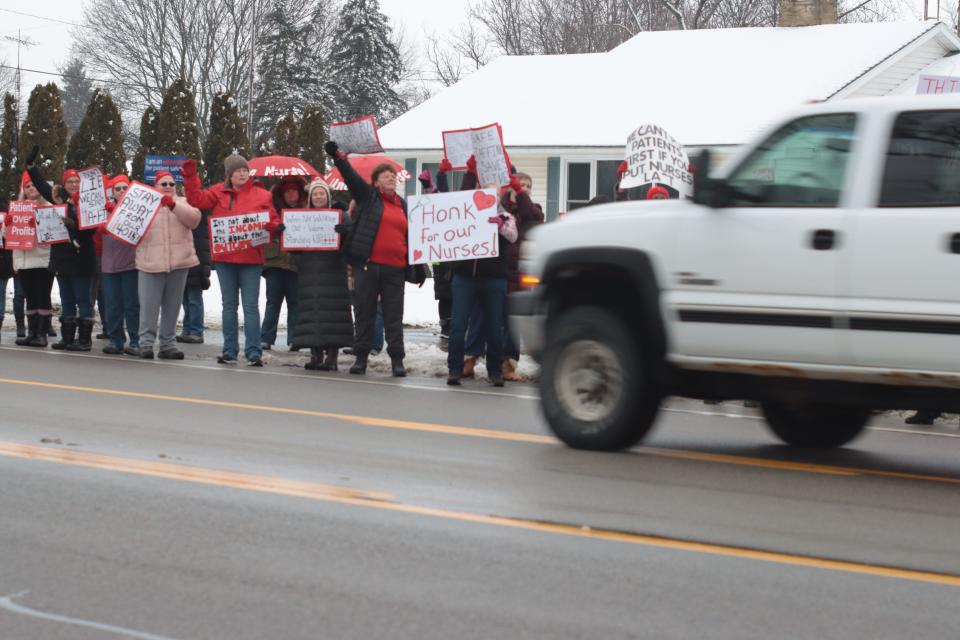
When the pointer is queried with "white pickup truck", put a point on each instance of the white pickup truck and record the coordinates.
(818, 274)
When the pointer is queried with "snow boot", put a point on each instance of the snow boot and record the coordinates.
(85, 338)
(330, 360)
(359, 367)
(468, 364)
(509, 371)
(923, 417)
(68, 333)
(397, 368)
(33, 322)
(43, 325)
(21, 326)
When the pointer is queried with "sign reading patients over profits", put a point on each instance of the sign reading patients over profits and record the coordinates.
(93, 199)
(930, 85)
(21, 231)
(310, 230)
(230, 234)
(653, 156)
(485, 144)
(356, 136)
(153, 164)
(134, 214)
(50, 227)
(444, 227)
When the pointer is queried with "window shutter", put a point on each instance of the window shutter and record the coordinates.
(410, 188)
(553, 187)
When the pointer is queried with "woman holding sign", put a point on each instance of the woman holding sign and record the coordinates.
(242, 213)
(33, 269)
(118, 278)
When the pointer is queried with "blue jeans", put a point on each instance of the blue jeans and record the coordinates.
(19, 297)
(377, 344)
(240, 281)
(193, 311)
(476, 336)
(281, 285)
(490, 294)
(76, 299)
(121, 305)
(3, 298)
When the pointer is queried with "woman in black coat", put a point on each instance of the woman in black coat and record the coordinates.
(324, 321)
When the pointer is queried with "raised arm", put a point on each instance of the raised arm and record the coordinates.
(197, 196)
(360, 190)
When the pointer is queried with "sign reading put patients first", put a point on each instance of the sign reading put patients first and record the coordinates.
(654, 157)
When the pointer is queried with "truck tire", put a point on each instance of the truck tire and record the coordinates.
(596, 392)
(817, 426)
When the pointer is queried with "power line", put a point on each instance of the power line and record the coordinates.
(48, 19)
(93, 80)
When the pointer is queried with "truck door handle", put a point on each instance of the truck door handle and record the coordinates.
(954, 244)
(823, 239)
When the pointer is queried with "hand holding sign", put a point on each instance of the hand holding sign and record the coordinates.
(134, 214)
(310, 230)
(356, 136)
(446, 227)
(21, 230)
(653, 156)
(92, 199)
(50, 225)
(232, 234)
(485, 146)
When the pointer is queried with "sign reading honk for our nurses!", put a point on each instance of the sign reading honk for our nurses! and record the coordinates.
(446, 227)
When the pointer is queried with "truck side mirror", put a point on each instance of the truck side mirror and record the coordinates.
(707, 191)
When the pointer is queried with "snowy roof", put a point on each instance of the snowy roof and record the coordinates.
(706, 87)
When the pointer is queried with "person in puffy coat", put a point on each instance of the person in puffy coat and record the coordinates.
(324, 322)
(164, 257)
(33, 269)
(118, 282)
(239, 271)
(6, 266)
(280, 267)
(198, 281)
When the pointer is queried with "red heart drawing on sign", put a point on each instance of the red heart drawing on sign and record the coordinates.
(483, 200)
(417, 254)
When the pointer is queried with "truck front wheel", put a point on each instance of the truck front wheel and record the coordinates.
(595, 391)
(817, 426)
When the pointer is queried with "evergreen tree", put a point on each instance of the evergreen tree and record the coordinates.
(44, 126)
(149, 132)
(285, 136)
(9, 174)
(179, 134)
(367, 63)
(228, 134)
(99, 138)
(77, 92)
(311, 138)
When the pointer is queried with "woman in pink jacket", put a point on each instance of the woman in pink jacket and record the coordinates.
(164, 257)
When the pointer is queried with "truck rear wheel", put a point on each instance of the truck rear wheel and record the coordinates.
(595, 390)
(816, 426)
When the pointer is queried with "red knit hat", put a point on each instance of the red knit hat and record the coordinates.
(622, 169)
(25, 180)
(162, 174)
(657, 192)
(118, 179)
(69, 173)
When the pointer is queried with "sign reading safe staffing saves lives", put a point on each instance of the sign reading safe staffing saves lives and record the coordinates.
(445, 227)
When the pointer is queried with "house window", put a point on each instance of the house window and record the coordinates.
(585, 180)
(607, 178)
(454, 178)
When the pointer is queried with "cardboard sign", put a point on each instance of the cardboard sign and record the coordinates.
(231, 234)
(50, 227)
(134, 214)
(654, 157)
(356, 136)
(310, 230)
(93, 199)
(483, 143)
(153, 164)
(445, 227)
(20, 233)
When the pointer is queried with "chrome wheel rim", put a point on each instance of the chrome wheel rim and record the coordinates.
(589, 380)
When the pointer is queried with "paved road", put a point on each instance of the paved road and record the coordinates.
(180, 501)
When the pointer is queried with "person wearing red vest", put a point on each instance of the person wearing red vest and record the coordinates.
(239, 271)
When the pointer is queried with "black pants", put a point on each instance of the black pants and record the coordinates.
(386, 283)
(37, 284)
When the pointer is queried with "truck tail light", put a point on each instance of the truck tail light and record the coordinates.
(528, 281)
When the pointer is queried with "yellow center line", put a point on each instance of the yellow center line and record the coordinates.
(492, 434)
(381, 501)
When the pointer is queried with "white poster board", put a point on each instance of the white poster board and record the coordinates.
(356, 136)
(458, 147)
(231, 234)
(934, 85)
(483, 143)
(134, 214)
(310, 230)
(445, 227)
(50, 226)
(93, 199)
(653, 156)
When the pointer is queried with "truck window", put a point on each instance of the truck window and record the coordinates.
(923, 161)
(803, 164)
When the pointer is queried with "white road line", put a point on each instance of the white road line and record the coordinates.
(8, 604)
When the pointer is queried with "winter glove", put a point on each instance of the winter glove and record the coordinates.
(472, 165)
(343, 228)
(622, 169)
(110, 206)
(75, 198)
(498, 220)
(33, 156)
(189, 169)
(281, 228)
(515, 184)
(445, 166)
(426, 181)
(332, 149)
(168, 202)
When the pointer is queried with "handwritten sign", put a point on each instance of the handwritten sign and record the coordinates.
(21, 229)
(310, 230)
(93, 199)
(134, 214)
(356, 136)
(653, 156)
(50, 227)
(445, 227)
(231, 234)
(483, 143)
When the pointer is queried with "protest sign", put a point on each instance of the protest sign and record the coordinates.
(153, 164)
(93, 199)
(483, 143)
(230, 234)
(444, 227)
(50, 227)
(356, 136)
(653, 156)
(310, 230)
(20, 233)
(134, 214)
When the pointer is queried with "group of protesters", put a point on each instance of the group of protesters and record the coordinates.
(336, 300)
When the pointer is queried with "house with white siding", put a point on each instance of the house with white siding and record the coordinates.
(566, 118)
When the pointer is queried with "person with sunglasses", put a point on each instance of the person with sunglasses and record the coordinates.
(118, 279)
(164, 257)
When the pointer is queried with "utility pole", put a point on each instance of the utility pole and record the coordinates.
(21, 42)
(253, 66)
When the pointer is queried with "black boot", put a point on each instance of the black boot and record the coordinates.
(330, 360)
(360, 366)
(924, 417)
(68, 333)
(396, 365)
(40, 338)
(85, 338)
(21, 326)
(51, 332)
(33, 324)
(316, 360)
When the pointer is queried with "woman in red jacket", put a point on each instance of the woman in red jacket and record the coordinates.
(238, 271)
